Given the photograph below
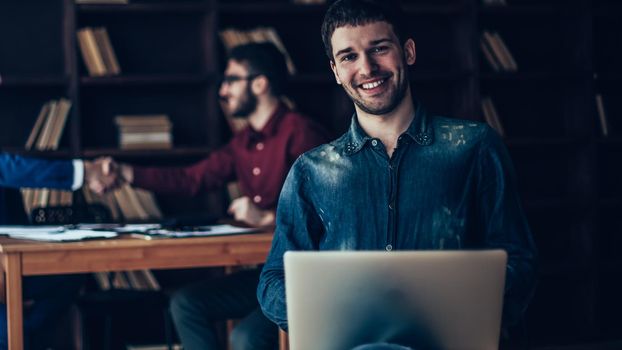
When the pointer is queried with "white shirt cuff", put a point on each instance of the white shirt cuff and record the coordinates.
(78, 174)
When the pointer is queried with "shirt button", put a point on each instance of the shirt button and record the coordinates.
(391, 206)
(257, 199)
(259, 146)
(389, 247)
(374, 143)
(256, 171)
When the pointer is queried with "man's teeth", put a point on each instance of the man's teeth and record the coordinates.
(372, 85)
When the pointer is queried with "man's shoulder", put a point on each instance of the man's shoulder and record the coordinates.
(331, 150)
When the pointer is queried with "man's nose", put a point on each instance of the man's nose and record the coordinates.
(367, 65)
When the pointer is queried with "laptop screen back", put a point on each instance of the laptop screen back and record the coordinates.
(423, 299)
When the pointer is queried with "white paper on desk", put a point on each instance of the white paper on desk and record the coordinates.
(138, 228)
(9, 230)
(68, 235)
(214, 230)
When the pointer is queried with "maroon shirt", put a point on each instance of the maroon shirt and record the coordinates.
(258, 160)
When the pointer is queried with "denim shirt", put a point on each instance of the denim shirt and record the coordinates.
(449, 184)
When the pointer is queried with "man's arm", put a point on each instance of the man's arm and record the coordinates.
(17, 171)
(212, 172)
(502, 219)
(297, 228)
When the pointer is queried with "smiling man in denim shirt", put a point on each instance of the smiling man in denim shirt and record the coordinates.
(400, 178)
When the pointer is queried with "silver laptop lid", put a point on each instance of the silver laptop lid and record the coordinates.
(424, 299)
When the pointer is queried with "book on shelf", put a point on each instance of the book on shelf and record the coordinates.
(497, 53)
(491, 116)
(602, 115)
(128, 280)
(233, 37)
(46, 134)
(144, 131)
(97, 52)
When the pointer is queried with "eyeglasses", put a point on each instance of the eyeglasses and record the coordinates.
(230, 79)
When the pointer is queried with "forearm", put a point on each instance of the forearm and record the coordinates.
(271, 296)
(16, 171)
(177, 181)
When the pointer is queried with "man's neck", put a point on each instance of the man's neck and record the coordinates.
(388, 127)
(265, 108)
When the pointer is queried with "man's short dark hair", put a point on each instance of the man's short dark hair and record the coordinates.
(263, 59)
(360, 12)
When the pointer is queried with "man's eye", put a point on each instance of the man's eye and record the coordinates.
(379, 49)
(349, 57)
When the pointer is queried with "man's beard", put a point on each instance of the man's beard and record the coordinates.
(247, 105)
(394, 99)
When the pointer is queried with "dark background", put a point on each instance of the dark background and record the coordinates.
(170, 55)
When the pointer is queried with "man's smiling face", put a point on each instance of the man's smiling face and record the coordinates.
(370, 64)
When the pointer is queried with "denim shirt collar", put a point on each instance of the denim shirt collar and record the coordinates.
(420, 130)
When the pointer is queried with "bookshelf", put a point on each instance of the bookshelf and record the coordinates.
(170, 55)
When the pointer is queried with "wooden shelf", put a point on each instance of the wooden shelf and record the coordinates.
(610, 142)
(546, 204)
(156, 79)
(527, 76)
(161, 153)
(283, 8)
(556, 269)
(44, 81)
(427, 76)
(180, 7)
(455, 8)
(62, 153)
(608, 76)
(520, 10)
(608, 10)
(555, 142)
(610, 203)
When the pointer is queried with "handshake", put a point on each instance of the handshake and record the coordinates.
(104, 174)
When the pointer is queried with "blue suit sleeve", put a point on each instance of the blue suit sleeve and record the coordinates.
(17, 171)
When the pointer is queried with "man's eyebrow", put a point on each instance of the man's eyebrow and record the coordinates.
(380, 41)
(342, 51)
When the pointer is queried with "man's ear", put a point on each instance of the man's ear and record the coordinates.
(334, 69)
(260, 85)
(410, 54)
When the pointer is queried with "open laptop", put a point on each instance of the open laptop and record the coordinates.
(339, 300)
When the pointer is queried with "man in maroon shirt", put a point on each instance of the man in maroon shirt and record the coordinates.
(259, 158)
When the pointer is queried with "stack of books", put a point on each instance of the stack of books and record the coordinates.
(234, 37)
(46, 135)
(127, 204)
(49, 125)
(97, 52)
(496, 52)
(144, 131)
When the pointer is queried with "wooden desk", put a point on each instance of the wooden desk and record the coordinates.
(27, 258)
